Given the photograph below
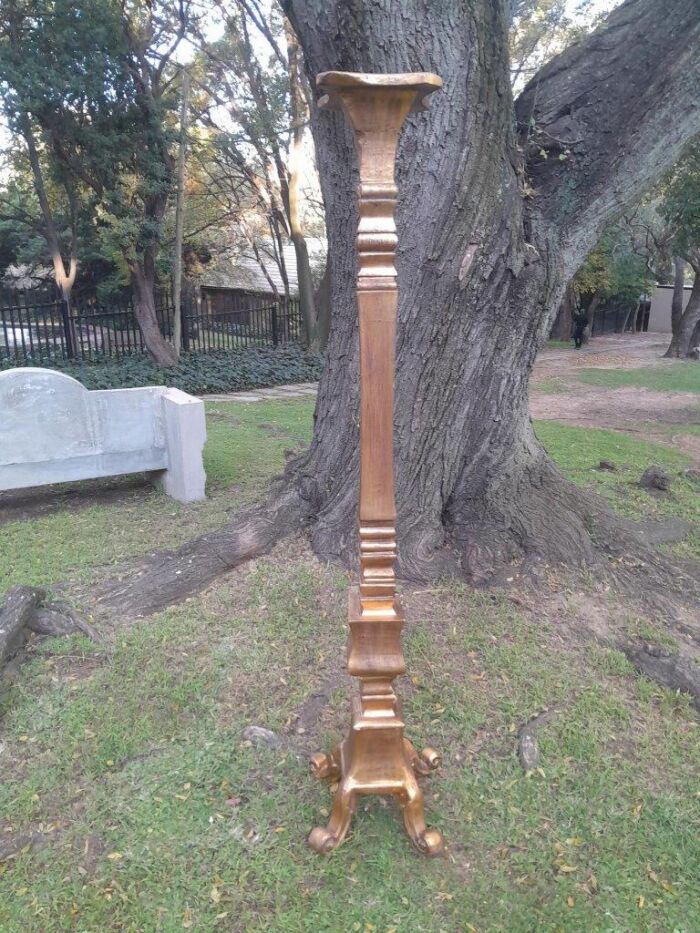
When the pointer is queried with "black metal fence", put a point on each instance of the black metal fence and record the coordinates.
(38, 325)
(621, 314)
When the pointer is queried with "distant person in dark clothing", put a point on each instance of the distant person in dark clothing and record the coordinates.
(580, 325)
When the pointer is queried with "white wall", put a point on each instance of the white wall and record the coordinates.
(660, 313)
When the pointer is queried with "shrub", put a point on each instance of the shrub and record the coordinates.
(196, 373)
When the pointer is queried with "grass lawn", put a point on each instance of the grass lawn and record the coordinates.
(675, 377)
(578, 451)
(128, 758)
(245, 447)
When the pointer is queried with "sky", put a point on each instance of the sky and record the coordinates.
(598, 6)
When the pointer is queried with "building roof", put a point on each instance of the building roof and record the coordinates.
(243, 271)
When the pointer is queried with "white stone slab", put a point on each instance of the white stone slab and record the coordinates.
(53, 430)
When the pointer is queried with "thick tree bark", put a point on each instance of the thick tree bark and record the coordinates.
(563, 323)
(161, 579)
(143, 281)
(487, 244)
(672, 670)
(686, 324)
(322, 307)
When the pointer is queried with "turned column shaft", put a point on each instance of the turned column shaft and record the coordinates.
(377, 120)
(376, 758)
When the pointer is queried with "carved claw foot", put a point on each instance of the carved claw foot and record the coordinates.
(424, 762)
(428, 841)
(326, 838)
(325, 767)
(430, 760)
(322, 840)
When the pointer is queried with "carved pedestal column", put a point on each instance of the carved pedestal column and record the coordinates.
(376, 758)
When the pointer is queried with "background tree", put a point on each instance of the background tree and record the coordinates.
(47, 96)
(541, 29)
(97, 81)
(619, 268)
(680, 207)
(256, 83)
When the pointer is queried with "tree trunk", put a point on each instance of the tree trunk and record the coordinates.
(682, 342)
(630, 320)
(64, 273)
(143, 287)
(590, 314)
(298, 113)
(487, 245)
(322, 307)
(563, 323)
(180, 216)
(695, 342)
(676, 305)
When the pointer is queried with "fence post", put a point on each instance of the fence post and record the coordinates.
(67, 328)
(275, 333)
(185, 325)
(185, 318)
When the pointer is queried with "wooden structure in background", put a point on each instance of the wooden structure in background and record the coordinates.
(376, 758)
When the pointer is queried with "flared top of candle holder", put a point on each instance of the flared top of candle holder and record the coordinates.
(333, 83)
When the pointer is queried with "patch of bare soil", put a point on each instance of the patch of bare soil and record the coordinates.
(621, 351)
(21, 504)
(637, 411)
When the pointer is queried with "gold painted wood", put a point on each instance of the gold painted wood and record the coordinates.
(376, 758)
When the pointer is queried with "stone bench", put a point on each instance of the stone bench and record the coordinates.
(53, 430)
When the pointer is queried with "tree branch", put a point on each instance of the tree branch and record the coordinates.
(628, 99)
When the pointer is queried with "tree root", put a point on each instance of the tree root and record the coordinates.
(168, 577)
(27, 609)
(528, 748)
(550, 519)
(670, 669)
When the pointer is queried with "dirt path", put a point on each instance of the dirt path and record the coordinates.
(648, 414)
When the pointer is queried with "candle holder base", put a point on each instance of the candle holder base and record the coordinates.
(375, 759)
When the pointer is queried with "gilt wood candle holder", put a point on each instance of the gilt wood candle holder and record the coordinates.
(376, 758)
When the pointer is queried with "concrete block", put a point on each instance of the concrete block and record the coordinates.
(53, 430)
(185, 435)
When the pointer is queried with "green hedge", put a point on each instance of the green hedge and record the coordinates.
(197, 373)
